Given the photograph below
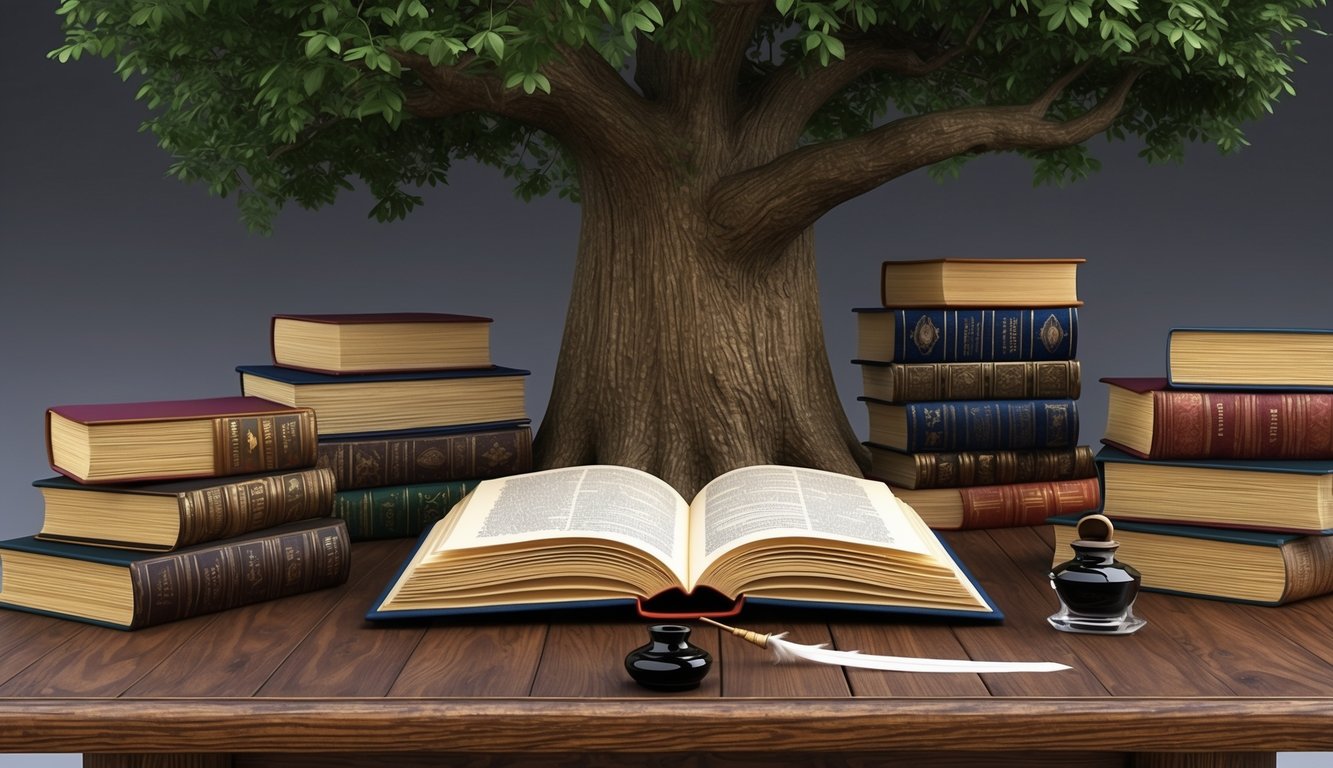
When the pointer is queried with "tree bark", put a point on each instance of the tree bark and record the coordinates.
(680, 358)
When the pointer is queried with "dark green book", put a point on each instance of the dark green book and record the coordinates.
(399, 511)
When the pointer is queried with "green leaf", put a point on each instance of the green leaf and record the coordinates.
(313, 79)
(835, 47)
(496, 43)
(784, 6)
(314, 45)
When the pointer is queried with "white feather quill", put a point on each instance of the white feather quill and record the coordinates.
(787, 651)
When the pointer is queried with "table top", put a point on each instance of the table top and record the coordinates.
(309, 673)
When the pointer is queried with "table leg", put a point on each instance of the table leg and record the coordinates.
(158, 761)
(1204, 760)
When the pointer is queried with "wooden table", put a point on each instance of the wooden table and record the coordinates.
(305, 682)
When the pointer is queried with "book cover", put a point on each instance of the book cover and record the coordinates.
(340, 344)
(1291, 359)
(1150, 419)
(959, 469)
(1026, 380)
(974, 425)
(209, 437)
(1262, 567)
(399, 511)
(130, 590)
(1007, 505)
(470, 451)
(166, 516)
(933, 335)
(302, 378)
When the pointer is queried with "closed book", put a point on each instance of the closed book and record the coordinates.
(1150, 419)
(376, 343)
(934, 335)
(130, 590)
(472, 451)
(980, 283)
(1001, 506)
(974, 425)
(1287, 496)
(397, 512)
(387, 402)
(1294, 359)
(959, 469)
(907, 382)
(1225, 564)
(177, 439)
(166, 516)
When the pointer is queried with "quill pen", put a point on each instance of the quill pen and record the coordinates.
(786, 650)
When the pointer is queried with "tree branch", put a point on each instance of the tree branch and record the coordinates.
(693, 85)
(791, 95)
(760, 210)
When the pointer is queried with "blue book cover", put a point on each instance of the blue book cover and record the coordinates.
(966, 335)
(1274, 359)
(299, 377)
(974, 425)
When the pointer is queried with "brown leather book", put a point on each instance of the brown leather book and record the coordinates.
(900, 383)
(959, 469)
(375, 461)
(1001, 506)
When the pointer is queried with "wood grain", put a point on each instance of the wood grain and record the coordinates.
(25, 638)
(691, 760)
(499, 660)
(1204, 760)
(923, 640)
(748, 670)
(157, 761)
(589, 660)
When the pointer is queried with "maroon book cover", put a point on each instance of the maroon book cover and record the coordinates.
(1214, 424)
(170, 410)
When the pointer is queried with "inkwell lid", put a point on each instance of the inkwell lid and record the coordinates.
(1096, 532)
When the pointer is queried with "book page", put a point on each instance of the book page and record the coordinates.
(755, 503)
(607, 502)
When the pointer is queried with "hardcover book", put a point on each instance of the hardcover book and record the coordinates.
(965, 335)
(902, 383)
(1261, 567)
(1293, 359)
(959, 469)
(1152, 420)
(166, 516)
(396, 512)
(176, 439)
(1289, 496)
(1001, 506)
(606, 536)
(471, 451)
(980, 283)
(388, 402)
(376, 343)
(973, 425)
(130, 590)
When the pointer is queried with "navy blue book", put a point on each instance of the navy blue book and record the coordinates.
(965, 335)
(973, 425)
(1260, 567)
(1289, 496)
(1291, 359)
(387, 402)
(614, 539)
(129, 590)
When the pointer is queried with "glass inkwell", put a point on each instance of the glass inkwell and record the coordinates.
(669, 662)
(1096, 591)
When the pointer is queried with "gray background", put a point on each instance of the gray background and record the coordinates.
(118, 284)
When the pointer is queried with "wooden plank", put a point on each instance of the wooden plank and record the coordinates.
(588, 660)
(1025, 635)
(748, 670)
(26, 637)
(925, 640)
(666, 724)
(239, 651)
(345, 655)
(1148, 663)
(697, 760)
(1204, 760)
(1307, 618)
(158, 761)
(498, 660)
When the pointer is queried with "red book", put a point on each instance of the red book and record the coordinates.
(1148, 418)
(175, 439)
(1002, 506)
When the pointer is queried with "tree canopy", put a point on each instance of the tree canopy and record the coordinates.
(294, 100)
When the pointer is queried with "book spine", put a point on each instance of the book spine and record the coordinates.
(976, 425)
(979, 335)
(407, 460)
(239, 573)
(958, 469)
(1235, 425)
(1308, 562)
(245, 445)
(397, 512)
(982, 381)
(1003, 506)
(228, 510)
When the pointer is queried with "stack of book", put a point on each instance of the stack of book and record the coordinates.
(970, 382)
(1220, 477)
(168, 510)
(411, 412)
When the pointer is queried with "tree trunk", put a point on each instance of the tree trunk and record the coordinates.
(681, 358)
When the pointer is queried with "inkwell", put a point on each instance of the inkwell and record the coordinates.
(1096, 591)
(669, 662)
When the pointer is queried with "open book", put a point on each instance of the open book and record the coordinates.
(597, 535)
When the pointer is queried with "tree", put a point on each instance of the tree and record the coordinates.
(703, 139)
